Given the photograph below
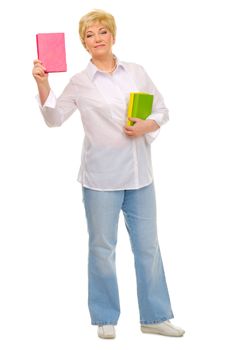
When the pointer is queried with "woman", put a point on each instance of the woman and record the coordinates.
(115, 173)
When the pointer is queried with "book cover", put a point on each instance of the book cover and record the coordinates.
(51, 51)
(140, 106)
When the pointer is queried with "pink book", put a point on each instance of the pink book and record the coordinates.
(51, 51)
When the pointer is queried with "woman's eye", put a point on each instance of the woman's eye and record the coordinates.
(90, 35)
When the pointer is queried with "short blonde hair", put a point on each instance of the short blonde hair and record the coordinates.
(96, 16)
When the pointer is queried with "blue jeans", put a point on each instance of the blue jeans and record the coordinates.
(102, 209)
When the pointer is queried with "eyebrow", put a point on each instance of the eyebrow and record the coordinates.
(90, 31)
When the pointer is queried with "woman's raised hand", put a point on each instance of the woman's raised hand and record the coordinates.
(39, 72)
(41, 77)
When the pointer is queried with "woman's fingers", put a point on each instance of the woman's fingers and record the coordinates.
(38, 70)
(128, 132)
(38, 63)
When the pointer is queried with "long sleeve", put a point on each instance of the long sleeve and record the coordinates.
(56, 110)
(159, 111)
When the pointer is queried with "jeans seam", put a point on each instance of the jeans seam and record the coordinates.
(102, 323)
(157, 321)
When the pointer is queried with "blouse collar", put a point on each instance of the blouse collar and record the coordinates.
(92, 69)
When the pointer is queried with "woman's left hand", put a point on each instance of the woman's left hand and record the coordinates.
(140, 127)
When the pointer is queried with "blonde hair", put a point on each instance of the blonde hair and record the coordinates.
(95, 16)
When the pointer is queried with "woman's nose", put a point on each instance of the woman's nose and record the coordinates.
(97, 38)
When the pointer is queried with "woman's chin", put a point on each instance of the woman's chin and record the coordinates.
(101, 53)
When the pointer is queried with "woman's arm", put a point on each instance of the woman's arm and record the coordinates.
(41, 78)
(55, 111)
(150, 127)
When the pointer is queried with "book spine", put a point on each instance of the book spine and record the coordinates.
(37, 44)
(130, 109)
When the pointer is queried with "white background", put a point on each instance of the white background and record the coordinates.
(185, 46)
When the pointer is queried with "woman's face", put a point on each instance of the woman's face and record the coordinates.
(98, 40)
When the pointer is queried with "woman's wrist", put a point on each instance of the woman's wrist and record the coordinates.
(43, 85)
(44, 90)
(153, 126)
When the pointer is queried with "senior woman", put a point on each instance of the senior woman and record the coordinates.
(115, 173)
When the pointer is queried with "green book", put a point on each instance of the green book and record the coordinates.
(140, 106)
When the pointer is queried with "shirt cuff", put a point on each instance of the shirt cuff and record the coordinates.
(151, 136)
(50, 101)
(157, 117)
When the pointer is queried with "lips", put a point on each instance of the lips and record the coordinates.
(101, 45)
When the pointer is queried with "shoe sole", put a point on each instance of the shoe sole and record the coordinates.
(107, 337)
(154, 331)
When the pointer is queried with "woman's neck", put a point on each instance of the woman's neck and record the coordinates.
(106, 64)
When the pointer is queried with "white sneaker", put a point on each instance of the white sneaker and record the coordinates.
(164, 328)
(106, 331)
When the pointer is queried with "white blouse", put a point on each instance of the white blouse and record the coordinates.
(110, 159)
